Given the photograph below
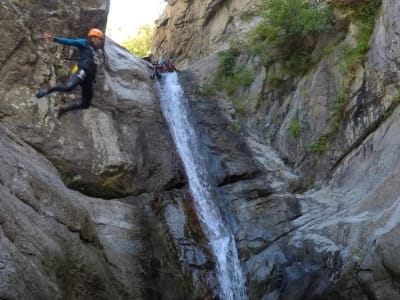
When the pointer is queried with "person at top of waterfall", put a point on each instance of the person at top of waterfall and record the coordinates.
(155, 69)
(85, 72)
(169, 66)
(162, 65)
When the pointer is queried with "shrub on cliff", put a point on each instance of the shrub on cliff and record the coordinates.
(288, 31)
(140, 45)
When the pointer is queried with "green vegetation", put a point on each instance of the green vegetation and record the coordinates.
(229, 77)
(294, 127)
(275, 80)
(235, 126)
(338, 111)
(240, 106)
(287, 32)
(320, 145)
(140, 45)
(364, 19)
(227, 61)
(352, 58)
(295, 18)
(286, 38)
(282, 36)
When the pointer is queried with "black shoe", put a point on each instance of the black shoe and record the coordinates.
(41, 93)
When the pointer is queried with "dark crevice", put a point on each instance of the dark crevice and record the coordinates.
(373, 127)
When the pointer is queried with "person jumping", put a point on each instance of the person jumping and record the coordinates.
(86, 69)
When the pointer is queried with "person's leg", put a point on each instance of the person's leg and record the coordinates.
(87, 94)
(66, 86)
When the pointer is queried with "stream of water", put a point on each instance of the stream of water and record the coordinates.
(222, 243)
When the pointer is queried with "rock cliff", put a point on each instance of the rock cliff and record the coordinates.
(95, 204)
(318, 218)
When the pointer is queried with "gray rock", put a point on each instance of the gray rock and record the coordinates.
(94, 205)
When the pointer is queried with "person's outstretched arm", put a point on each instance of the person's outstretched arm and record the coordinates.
(66, 41)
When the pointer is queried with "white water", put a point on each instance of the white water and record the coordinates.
(228, 270)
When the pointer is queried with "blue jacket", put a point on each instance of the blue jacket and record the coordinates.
(86, 53)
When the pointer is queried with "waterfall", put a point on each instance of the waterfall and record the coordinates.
(222, 242)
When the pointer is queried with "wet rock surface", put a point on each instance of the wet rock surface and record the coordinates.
(94, 205)
(307, 225)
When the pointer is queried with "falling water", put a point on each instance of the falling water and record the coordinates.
(229, 273)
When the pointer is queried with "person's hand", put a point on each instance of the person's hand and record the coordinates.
(47, 36)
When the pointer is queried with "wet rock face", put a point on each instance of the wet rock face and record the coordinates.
(57, 241)
(181, 265)
(119, 146)
(190, 30)
(59, 237)
(50, 246)
(327, 233)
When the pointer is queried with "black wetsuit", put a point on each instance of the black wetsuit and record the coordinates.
(84, 76)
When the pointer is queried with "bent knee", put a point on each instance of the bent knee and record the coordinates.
(68, 87)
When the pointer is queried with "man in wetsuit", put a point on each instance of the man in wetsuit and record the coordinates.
(86, 72)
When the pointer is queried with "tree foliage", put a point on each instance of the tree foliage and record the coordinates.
(140, 45)
(288, 32)
(296, 17)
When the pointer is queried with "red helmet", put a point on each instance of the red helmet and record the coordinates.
(94, 32)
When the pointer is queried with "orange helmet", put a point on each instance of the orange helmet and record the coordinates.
(94, 32)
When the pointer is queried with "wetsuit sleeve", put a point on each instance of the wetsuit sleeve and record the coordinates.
(81, 43)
